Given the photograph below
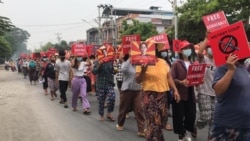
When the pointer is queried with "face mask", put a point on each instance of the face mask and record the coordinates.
(44, 59)
(187, 52)
(209, 51)
(164, 54)
(79, 59)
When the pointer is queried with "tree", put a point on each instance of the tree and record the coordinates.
(146, 30)
(5, 25)
(63, 45)
(5, 48)
(190, 24)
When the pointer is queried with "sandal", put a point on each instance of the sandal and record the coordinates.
(102, 119)
(168, 127)
(110, 118)
(141, 134)
(86, 112)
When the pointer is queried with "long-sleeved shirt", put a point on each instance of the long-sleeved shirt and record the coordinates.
(104, 75)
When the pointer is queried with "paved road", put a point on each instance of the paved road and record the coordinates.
(26, 114)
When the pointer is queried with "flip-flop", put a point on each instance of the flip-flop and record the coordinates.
(102, 119)
(169, 128)
(110, 118)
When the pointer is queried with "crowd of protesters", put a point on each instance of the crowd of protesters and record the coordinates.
(150, 91)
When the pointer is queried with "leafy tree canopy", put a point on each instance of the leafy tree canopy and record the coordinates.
(146, 30)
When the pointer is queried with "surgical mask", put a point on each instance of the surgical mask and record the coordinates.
(209, 51)
(164, 54)
(79, 59)
(187, 52)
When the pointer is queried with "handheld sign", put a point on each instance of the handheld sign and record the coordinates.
(78, 49)
(126, 42)
(215, 21)
(143, 53)
(231, 39)
(176, 45)
(161, 40)
(196, 74)
(105, 54)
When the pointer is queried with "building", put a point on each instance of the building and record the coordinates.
(110, 28)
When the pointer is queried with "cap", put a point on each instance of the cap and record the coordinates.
(183, 44)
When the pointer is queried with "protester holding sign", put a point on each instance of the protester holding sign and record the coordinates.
(79, 85)
(184, 112)
(206, 94)
(105, 87)
(156, 81)
(62, 68)
(130, 95)
(232, 113)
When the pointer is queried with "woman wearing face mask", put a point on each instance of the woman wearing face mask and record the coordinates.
(45, 80)
(184, 112)
(79, 85)
(51, 75)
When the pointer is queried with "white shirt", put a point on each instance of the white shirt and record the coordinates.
(80, 70)
(63, 68)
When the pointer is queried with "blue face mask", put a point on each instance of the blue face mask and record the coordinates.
(187, 52)
(209, 51)
(79, 59)
(164, 54)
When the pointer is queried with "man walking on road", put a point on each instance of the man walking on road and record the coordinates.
(62, 69)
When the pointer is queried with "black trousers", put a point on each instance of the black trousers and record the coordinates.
(88, 82)
(63, 86)
(184, 115)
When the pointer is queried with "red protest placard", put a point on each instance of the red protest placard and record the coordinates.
(126, 42)
(176, 45)
(195, 74)
(143, 52)
(161, 40)
(105, 54)
(215, 21)
(78, 49)
(231, 39)
(89, 49)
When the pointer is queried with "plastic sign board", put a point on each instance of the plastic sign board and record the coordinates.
(161, 40)
(176, 45)
(195, 74)
(105, 54)
(215, 21)
(143, 53)
(78, 49)
(231, 39)
(126, 42)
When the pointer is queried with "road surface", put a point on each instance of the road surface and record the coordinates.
(26, 114)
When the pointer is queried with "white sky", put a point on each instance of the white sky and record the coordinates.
(63, 16)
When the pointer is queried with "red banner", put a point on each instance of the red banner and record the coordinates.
(176, 45)
(143, 52)
(78, 49)
(161, 40)
(215, 21)
(36, 55)
(231, 39)
(89, 49)
(195, 75)
(105, 54)
(126, 42)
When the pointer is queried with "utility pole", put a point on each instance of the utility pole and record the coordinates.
(58, 36)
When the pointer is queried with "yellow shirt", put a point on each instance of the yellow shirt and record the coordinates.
(156, 77)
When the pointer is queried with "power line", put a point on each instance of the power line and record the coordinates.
(54, 24)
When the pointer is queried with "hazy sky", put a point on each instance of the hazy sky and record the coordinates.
(43, 19)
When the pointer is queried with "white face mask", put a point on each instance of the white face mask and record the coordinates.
(209, 51)
(187, 52)
(169, 54)
(164, 54)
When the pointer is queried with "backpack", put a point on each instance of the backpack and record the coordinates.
(32, 65)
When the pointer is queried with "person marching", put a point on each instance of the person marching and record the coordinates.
(32, 71)
(79, 85)
(156, 81)
(51, 75)
(45, 80)
(63, 68)
(184, 112)
(130, 95)
(105, 86)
